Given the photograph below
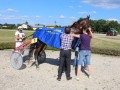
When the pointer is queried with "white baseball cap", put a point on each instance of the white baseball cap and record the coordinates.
(20, 28)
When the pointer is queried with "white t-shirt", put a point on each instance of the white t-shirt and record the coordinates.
(19, 34)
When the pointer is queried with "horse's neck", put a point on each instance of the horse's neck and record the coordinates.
(72, 30)
(75, 31)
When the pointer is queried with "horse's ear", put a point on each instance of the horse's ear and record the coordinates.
(88, 17)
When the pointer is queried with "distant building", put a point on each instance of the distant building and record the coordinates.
(7, 26)
(38, 26)
(50, 26)
(25, 26)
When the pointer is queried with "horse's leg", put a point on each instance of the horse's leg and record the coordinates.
(38, 50)
(31, 50)
(36, 54)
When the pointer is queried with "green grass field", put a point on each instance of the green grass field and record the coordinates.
(100, 41)
(106, 42)
(9, 35)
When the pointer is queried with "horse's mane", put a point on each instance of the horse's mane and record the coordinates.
(78, 25)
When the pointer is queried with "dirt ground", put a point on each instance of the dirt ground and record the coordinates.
(106, 74)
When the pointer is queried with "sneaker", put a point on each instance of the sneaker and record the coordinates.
(69, 78)
(77, 78)
(59, 79)
(89, 76)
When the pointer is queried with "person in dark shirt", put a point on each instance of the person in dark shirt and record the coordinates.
(85, 50)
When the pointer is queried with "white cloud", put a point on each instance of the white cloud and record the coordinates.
(103, 3)
(50, 16)
(37, 16)
(11, 10)
(79, 6)
(8, 17)
(11, 18)
(70, 6)
(8, 10)
(24, 17)
(72, 17)
(62, 17)
(93, 12)
(85, 12)
(113, 19)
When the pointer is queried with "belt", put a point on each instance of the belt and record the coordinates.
(65, 49)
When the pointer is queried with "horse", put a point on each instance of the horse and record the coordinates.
(39, 53)
(77, 27)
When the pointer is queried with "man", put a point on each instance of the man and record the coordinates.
(65, 54)
(19, 37)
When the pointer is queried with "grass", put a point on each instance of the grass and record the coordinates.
(9, 35)
(104, 44)
(100, 43)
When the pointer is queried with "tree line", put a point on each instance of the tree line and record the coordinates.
(99, 26)
(103, 26)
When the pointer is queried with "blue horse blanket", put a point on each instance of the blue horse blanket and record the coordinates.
(50, 37)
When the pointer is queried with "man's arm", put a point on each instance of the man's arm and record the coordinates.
(17, 37)
(76, 35)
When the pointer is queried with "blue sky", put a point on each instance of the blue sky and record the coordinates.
(63, 12)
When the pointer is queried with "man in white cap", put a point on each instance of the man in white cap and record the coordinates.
(19, 37)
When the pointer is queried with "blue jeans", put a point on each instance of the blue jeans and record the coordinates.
(84, 57)
(76, 57)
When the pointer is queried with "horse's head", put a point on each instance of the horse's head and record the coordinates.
(76, 27)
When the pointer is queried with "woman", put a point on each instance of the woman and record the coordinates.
(85, 49)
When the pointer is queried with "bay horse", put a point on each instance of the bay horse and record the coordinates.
(39, 53)
(77, 27)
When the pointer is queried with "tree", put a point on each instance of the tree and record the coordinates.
(100, 25)
(93, 23)
(26, 22)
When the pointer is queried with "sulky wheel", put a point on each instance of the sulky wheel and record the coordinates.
(16, 60)
(41, 56)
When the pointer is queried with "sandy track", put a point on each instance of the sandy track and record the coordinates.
(106, 74)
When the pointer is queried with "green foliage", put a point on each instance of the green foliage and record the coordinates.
(7, 45)
(106, 51)
(29, 28)
(103, 26)
(57, 26)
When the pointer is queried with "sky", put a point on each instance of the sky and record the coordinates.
(57, 12)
